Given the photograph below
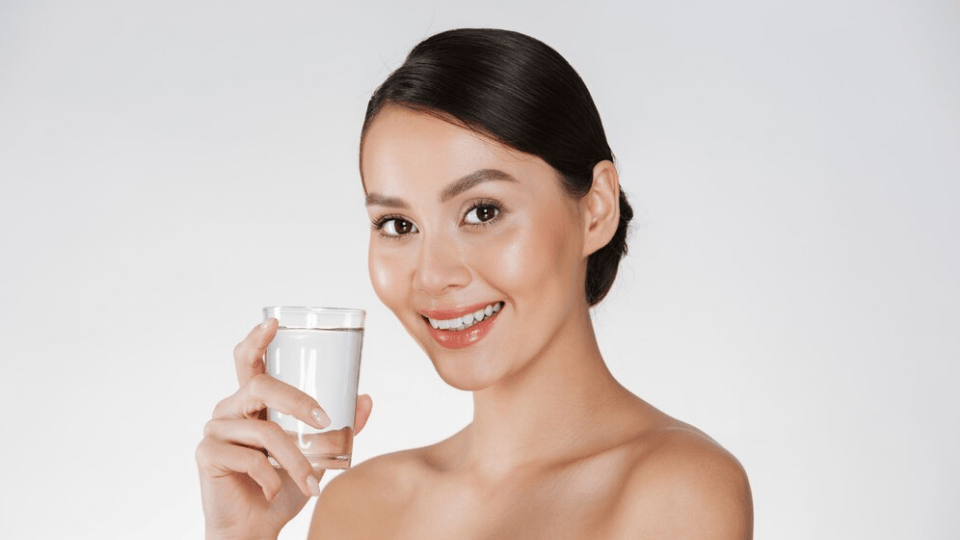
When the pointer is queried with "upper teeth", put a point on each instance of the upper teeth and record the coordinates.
(466, 321)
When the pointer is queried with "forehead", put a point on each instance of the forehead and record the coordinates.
(405, 149)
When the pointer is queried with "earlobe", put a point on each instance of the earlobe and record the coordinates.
(601, 207)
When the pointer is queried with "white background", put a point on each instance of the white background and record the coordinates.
(168, 168)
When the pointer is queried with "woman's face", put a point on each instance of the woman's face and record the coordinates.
(467, 230)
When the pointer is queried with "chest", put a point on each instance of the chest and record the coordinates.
(571, 504)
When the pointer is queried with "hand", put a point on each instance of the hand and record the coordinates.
(243, 495)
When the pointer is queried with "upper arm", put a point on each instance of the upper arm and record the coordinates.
(689, 487)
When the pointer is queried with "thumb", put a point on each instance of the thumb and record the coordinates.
(364, 406)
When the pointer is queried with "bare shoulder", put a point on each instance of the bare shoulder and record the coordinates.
(357, 500)
(683, 484)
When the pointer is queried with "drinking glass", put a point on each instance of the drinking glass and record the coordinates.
(317, 350)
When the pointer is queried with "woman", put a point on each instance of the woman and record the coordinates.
(497, 222)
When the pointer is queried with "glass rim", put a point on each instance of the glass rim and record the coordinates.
(316, 318)
(317, 309)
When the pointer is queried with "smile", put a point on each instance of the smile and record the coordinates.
(458, 324)
(461, 327)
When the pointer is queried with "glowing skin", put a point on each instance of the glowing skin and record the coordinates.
(556, 447)
(523, 246)
(467, 230)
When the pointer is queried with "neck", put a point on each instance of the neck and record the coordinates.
(542, 413)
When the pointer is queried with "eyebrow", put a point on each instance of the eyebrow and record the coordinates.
(452, 190)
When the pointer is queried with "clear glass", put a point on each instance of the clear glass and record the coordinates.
(317, 350)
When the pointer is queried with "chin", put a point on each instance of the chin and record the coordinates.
(467, 372)
(465, 382)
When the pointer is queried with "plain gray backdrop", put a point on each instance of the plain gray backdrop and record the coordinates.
(168, 168)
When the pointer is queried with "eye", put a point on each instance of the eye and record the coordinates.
(480, 214)
(396, 227)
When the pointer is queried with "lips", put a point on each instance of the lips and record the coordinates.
(462, 322)
(461, 327)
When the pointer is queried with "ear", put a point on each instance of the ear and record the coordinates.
(601, 207)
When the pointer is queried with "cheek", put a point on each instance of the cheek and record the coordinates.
(533, 257)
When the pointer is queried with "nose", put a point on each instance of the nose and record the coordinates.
(440, 268)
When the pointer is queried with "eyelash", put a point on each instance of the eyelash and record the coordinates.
(485, 203)
(378, 223)
(381, 221)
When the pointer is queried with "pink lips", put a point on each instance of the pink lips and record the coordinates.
(454, 312)
(457, 340)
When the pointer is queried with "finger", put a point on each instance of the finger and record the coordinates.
(248, 354)
(218, 459)
(270, 437)
(364, 406)
(264, 391)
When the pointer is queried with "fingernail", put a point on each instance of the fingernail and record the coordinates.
(313, 485)
(265, 324)
(321, 417)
